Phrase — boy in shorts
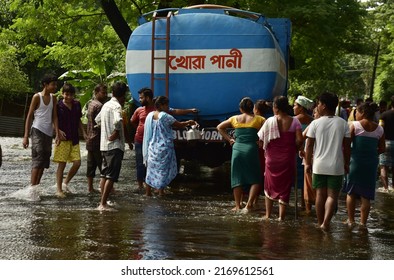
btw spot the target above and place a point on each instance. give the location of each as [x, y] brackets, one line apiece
[94, 159]
[69, 116]
[329, 143]
[43, 109]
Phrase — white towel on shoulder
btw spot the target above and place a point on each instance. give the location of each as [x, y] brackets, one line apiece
[269, 131]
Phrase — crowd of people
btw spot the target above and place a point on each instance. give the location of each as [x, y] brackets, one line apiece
[318, 147]
[106, 135]
[312, 148]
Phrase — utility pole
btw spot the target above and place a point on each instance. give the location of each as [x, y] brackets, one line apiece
[375, 65]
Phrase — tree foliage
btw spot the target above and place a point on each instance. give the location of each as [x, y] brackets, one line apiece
[382, 13]
[57, 36]
[12, 80]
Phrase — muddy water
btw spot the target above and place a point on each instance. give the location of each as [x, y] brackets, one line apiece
[192, 222]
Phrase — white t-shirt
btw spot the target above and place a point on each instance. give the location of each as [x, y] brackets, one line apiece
[329, 132]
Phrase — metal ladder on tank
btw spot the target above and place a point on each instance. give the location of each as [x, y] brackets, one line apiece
[154, 58]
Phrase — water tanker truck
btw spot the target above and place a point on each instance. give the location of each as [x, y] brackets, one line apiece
[208, 57]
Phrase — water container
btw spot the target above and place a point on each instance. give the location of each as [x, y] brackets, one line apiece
[215, 59]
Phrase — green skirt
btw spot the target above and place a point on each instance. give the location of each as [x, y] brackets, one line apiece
[245, 162]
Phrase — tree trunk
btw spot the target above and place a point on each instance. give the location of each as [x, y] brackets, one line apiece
[117, 20]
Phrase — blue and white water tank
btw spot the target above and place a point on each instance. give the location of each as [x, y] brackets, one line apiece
[216, 55]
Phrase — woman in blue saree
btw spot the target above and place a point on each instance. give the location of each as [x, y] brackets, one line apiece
[158, 146]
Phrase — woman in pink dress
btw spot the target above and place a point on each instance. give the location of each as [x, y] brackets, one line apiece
[282, 138]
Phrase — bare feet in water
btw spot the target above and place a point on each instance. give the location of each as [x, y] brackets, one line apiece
[325, 228]
[105, 208]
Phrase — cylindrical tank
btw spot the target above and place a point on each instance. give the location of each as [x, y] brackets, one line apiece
[214, 58]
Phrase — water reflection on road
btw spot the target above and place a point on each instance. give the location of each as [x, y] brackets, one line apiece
[193, 221]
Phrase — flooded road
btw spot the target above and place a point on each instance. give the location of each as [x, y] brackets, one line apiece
[193, 221]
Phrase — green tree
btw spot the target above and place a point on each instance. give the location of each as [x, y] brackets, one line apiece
[12, 80]
[324, 32]
[382, 13]
[57, 36]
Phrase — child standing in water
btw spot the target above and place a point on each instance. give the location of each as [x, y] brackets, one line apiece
[43, 109]
[69, 115]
